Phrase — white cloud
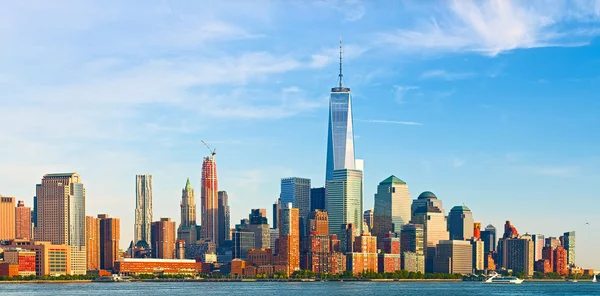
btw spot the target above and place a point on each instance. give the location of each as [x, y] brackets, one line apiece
[352, 10]
[445, 75]
[495, 26]
[401, 91]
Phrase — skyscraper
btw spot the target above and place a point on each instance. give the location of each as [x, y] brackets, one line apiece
[368, 218]
[340, 136]
[428, 211]
[143, 209]
[22, 221]
[460, 223]
[289, 238]
[345, 201]
[92, 243]
[517, 254]
[488, 236]
[224, 218]
[392, 207]
[258, 224]
[317, 199]
[297, 191]
[454, 256]
[209, 202]
[187, 230]
[110, 234]
[276, 211]
[163, 239]
[61, 215]
[538, 246]
[569, 239]
[319, 222]
[7, 218]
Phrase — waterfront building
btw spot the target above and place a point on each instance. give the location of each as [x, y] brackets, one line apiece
[22, 221]
[340, 133]
[560, 257]
[517, 254]
[453, 256]
[317, 199]
[60, 208]
[24, 259]
[50, 259]
[412, 262]
[260, 257]
[364, 256]
[289, 238]
[134, 266]
[7, 218]
[209, 200]
[428, 211]
[297, 191]
[389, 259]
[187, 230]
[392, 207]
[92, 240]
[143, 209]
[224, 218]
[109, 237]
[163, 239]
[344, 200]
[460, 223]
[569, 245]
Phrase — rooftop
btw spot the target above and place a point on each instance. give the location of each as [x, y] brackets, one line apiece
[60, 175]
[392, 180]
[462, 208]
[427, 195]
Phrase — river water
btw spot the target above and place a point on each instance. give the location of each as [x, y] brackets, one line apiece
[298, 288]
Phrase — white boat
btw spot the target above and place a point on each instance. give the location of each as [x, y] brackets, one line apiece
[496, 278]
[594, 279]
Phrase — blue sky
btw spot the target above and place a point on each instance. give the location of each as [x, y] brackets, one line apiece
[493, 104]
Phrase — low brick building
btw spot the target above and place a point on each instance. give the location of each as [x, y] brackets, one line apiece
[131, 266]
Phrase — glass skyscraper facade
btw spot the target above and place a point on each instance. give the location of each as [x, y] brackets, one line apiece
[340, 135]
[297, 191]
[344, 200]
[569, 245]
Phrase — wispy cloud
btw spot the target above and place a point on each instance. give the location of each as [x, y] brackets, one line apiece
[390, 121]
[445, 75]
[329, 55]
[458, 162]
[352, 10]
[401, 91]
[554, 171]
[495, 26]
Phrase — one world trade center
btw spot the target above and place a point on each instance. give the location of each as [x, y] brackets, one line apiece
[340, 135]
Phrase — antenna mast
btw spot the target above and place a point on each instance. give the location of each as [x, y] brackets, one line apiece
[341, 75]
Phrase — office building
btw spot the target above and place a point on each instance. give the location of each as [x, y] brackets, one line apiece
[257, 223]
[552, 242]
[368, 219]
[340, 134]
[274, 236]
[92, 240]
[389, 259]
[319, 222]
[209, 200]
[50, 259]
[317, 199]
[344, 200]
[134, 266]
[460, 223]
[163, 239]
[297, 191]
[61, 215]
[517, 254]
[364, 255]
[7, 218]
[477, 230]
[569, 245]
[289, 238]
[143, 209]
[110, 236]
[187, 230]
[478, 255]
[224, 218]
[243, 241]
[392, 207]
[538, 246]
[428, 211]
[560, 260]
[22, 221]
[24, 259]
[488, 236]
[454, 256]
[412, 239]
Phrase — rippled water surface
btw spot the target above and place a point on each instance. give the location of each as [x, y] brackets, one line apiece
[308, 288]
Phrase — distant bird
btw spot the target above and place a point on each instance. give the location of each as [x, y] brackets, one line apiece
[586, 223]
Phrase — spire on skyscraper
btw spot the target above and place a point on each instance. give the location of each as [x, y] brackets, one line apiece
[341, 75]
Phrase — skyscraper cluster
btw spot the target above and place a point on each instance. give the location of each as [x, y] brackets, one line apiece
[322, 229]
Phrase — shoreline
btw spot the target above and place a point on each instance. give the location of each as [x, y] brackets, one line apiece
[274, 280]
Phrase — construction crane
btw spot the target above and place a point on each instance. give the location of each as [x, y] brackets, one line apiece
[213, 151]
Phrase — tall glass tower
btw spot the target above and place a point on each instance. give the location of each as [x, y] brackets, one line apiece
[340, 135]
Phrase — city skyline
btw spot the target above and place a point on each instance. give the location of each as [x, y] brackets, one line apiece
[480, 123]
